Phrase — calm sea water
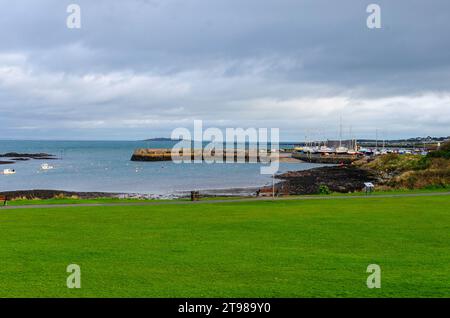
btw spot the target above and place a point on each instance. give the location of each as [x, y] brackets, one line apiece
[105, 166]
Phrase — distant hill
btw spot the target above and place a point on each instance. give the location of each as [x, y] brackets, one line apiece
[162, 139]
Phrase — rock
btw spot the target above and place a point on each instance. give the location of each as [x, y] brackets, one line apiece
[6, 162]
[21, 156]
[342, 179]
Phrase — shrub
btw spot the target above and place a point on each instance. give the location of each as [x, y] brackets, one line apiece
[397, 163]
[323, 189]
[443, 152]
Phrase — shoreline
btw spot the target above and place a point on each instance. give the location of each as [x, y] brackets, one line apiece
[45, 194]
[341, 179]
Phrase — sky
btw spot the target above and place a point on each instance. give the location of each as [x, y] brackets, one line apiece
[138, 69]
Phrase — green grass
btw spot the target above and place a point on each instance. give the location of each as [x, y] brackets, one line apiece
[309, 248]
[396, 191]
[58, 201]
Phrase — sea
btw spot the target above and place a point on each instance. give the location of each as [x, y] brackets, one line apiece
[105, 166]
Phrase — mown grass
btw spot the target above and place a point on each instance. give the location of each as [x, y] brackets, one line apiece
[396, 191]
[309, 248]
[59, 201]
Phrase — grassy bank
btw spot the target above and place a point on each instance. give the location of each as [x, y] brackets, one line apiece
[413, 171]
[317, 248]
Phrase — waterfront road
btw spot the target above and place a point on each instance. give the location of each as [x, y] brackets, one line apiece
[212, 201]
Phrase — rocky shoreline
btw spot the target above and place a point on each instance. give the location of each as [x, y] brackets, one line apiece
[50, 194]
[42, 194]
[343, 179]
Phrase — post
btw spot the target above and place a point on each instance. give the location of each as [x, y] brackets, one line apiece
[273, 186]
[195, 195]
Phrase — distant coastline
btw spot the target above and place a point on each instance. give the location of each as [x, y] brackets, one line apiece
[162, 139]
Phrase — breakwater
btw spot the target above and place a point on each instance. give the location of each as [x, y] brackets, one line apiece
[149, 154]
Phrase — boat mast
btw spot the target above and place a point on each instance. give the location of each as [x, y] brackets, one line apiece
[376, 139]
[351, 138]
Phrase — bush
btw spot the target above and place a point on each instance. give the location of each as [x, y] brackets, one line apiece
[439, 178]
[437, 187]
[423, 163]
[395, 163]
[443, 152]
[323, 189]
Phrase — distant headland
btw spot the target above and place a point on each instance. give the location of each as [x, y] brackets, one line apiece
[162, 139]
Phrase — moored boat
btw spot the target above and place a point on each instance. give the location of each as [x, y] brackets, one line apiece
[9, 171]
[46, 166]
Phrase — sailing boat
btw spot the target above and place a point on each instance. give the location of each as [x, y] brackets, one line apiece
[354, 148]
[325, 149]
[341, 149]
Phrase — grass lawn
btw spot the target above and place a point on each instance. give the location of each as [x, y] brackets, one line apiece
[20, 202]
[315, 248]
[106, 200]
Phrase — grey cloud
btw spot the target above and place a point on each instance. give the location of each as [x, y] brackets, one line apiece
[141, 66]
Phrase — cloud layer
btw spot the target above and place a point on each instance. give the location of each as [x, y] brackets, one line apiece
[138, 69]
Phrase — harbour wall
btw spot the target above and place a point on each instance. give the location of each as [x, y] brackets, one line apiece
[331, 159]
[148, 154]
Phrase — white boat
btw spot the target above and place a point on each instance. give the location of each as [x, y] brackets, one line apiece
[325, 149]
[341, 149]
[9, 171]
[46, 166]
[307, 149]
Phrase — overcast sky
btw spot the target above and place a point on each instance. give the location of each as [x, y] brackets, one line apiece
[139, 69]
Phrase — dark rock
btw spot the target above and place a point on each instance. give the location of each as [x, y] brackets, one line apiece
[6, 162]
[28, 155]
[343, 179]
